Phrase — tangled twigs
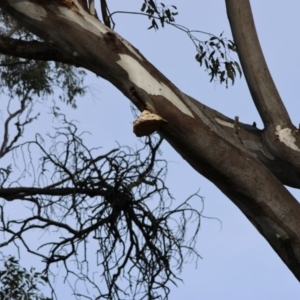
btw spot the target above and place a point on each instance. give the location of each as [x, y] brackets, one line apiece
[115, 205]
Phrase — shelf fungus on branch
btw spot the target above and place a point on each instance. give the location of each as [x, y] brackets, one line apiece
[147, 123]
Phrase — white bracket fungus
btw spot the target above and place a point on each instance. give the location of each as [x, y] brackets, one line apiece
[147, 123]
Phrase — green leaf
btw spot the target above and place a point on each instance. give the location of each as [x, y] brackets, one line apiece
[206, 63]
[238, 68]
[201, 57]
[154, 25]
[211, 55]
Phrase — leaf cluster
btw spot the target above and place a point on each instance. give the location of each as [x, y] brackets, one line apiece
[214, 53]
[34, 78]
[19, 77]
[165, 14]
[18, 283]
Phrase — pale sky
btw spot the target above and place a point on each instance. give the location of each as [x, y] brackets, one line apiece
[237, 262]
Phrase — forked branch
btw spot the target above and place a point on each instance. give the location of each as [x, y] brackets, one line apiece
[259, 79]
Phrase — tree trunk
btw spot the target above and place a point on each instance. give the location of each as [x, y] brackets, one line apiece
[248, 165]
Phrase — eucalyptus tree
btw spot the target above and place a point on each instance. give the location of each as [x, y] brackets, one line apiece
[249, 165]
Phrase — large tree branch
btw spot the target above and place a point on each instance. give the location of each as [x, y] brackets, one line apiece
[104, 11]
[280, 136]
[259, 79]
[253, 139]
[32, 50]
[27, 192]
[219, 155]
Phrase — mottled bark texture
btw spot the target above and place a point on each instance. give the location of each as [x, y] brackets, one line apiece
[250, 166]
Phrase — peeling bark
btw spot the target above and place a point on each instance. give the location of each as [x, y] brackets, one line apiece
[248, 165]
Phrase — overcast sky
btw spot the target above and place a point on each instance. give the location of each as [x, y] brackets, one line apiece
[237, 262]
